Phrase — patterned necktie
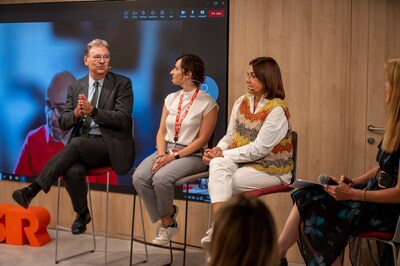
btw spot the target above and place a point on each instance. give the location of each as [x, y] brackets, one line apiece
[93, 102]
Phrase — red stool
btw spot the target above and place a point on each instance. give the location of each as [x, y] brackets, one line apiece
[90, 172]
[391, 239]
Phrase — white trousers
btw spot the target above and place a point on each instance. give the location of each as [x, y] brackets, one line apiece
[226, 179]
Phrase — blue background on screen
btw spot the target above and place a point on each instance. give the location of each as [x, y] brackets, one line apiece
[41, 40]
[35, 52]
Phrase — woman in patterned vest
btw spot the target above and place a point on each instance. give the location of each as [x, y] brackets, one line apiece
[257, 150]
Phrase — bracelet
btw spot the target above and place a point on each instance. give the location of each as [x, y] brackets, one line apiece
[365, 193]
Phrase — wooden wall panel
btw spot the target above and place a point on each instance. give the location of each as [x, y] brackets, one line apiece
[310, 41]
[358, 88]
[384, 42]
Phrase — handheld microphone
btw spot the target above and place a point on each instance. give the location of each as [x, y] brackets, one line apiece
[326, 180]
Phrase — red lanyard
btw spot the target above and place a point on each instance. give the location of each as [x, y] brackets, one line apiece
[179, 119]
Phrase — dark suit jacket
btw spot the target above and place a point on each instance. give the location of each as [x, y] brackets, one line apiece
[114, 117]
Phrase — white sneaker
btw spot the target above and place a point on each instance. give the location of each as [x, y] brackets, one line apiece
[208, 259]
[206, 241]
[165, 234]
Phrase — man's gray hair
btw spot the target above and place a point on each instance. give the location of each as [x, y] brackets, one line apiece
[96, 43]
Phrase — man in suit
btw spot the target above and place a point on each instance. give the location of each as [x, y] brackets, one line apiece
[98, 110]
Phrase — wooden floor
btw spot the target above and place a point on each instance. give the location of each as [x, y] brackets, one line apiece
[118, 253]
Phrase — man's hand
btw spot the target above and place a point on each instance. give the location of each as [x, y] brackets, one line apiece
[78, 109]
[85, 106]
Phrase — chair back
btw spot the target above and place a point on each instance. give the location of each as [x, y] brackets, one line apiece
[294, 142]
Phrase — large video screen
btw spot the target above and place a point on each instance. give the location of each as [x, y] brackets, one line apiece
[43, 45]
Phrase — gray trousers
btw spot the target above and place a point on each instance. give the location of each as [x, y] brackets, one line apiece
[157, 191]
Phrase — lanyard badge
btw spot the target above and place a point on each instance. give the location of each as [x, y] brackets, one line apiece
[179, 119]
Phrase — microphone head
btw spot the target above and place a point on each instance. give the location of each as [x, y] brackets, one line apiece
[323, 179]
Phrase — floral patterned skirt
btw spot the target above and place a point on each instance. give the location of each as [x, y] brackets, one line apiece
[326, 225]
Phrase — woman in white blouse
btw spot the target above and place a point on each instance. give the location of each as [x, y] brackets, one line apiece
[257, 150]
[187, 122]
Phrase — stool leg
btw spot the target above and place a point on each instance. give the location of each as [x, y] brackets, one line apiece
[394, 251]
[133, 227]
[58, 227]
[209, 225]
[91, 213]
[132, 233]
[144, 232]
[186, 218]
[209, 215]
[106, 233]
[359, 252]
[170, 254]
[57, 218]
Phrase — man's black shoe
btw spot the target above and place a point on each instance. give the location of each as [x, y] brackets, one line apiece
[79, 225]
[23, 196]
[283, 262]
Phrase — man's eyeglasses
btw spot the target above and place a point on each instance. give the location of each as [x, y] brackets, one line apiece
[99, 57]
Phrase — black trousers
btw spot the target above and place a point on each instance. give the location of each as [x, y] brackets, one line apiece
[71, 162]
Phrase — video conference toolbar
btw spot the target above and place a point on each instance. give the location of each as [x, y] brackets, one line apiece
[190, 13]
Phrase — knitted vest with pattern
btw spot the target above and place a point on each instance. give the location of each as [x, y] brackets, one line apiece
[280, 160]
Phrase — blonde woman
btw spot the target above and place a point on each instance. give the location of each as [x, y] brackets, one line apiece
[324, 219]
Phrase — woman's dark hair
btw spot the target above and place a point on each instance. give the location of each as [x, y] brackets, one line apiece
[267, 71]
[193, 63]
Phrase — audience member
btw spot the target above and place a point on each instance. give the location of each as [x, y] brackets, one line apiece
[324, 219]
[244, 234]
[257, 150]
[187, 122]
[99, 112]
